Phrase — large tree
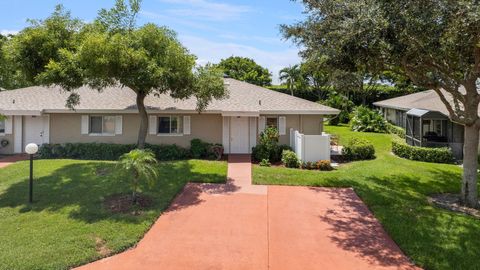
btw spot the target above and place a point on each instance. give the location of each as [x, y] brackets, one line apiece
[245, 69]
[113, 51]
[436, 43]
[10, 76]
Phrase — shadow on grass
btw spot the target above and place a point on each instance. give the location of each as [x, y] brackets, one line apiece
[78, 190]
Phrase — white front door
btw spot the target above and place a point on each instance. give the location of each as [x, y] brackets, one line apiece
[36, 130]
[239, 133]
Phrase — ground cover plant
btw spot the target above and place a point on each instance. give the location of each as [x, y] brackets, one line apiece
[396, 190]
[69, 224]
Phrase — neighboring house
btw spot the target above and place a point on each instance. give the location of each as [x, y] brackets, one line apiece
[425, 120]
[38, 115]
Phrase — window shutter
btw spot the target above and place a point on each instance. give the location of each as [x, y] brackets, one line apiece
[9, 125]
[152, 124]
[118, 125]
[261, 124]
[186, 125]
[282, 125]
[85, 127]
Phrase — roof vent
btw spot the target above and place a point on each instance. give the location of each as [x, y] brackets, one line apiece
[260, 102]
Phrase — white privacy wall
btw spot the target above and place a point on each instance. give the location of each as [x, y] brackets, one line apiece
[310, 147]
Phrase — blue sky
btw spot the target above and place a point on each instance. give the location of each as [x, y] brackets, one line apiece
[211, 29]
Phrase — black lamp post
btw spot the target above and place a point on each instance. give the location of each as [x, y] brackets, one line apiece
[31, 149]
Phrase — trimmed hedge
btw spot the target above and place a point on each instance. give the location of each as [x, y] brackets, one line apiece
[104, 151]
[358, 149]
[392, 129]
[426, 154]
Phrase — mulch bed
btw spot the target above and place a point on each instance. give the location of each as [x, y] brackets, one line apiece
[122, 203]
[452, 202]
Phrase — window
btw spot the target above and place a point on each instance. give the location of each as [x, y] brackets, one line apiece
[2, 126]
[170, 125]
[102, 125]
[272, 122]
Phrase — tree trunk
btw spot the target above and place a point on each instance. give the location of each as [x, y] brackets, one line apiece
[470, 166]
[142, 133]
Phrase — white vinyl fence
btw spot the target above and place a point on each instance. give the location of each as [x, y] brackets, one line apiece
[310, 147]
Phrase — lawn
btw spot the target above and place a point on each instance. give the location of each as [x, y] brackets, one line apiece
[67, 225]
[396, 192]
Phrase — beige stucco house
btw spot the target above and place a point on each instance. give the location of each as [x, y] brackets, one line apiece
[39, 115]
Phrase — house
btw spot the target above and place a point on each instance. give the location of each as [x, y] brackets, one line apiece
[38, 115]
[425, 120]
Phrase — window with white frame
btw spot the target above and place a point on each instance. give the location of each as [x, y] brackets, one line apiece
[102, 125]
[272, 121]
[2, 126]
[170, 124]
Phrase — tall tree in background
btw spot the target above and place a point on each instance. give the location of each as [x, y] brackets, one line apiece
[436, 43]
[113, 51]
[245, 69]
[10, 75]
[292, 76]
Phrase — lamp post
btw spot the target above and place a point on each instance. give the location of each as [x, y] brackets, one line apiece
[31, 149]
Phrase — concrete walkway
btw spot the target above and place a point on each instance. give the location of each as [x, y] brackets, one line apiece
[9, 160]
[241, 226]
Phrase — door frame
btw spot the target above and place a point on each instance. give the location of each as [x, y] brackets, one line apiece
[252, 127]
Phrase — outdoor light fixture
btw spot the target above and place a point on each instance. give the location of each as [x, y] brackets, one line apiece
[31, 149]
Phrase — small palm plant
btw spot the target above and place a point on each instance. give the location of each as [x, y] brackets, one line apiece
[142, 165]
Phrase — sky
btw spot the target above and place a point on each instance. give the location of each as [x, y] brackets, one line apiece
[210, 29]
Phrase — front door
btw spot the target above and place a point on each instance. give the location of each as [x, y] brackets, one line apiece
[36, 130]
[239, 143]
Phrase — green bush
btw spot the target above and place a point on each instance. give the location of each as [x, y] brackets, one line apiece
[324, 165]
[199, 148]
[392, 129]
[368, 120]
[103, 151]
[290, 159]
[268, 147]
[265, 163]
[342, 103]
[426, 154]
[358, 149]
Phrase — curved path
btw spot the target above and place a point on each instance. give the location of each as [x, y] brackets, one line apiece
[241, 226]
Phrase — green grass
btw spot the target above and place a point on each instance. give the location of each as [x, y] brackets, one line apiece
[60, 229]
[396, 192]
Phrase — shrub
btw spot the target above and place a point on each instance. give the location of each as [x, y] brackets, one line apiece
[324, 165]
[290, 159]
[268, 147]
[358, 149]
[392, 129]
[342, 103]
[308, 165]
[199, 148]
[368, 120]
[103, 151]
[265, 163]
[426, 154]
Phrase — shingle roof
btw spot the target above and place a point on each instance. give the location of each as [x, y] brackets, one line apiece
[426, 100]
[243, 97]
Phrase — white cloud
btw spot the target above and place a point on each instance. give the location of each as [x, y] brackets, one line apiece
[206, 10]
[210, 51]
[5, 32]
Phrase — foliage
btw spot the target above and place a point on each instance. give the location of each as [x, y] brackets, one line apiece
[309, 165]
[245, 69]
[10, 75]
[103, 151]
[426, 154]
[341, 102]
[69, 194]
[268, 147]
[265, 163]
[290, 159]
[367, 120]
[142, 166]
[399, 131]
[396, 190]
[324, 165]
[292, 76]
[358, 149]
[203, 150]
[433, 43]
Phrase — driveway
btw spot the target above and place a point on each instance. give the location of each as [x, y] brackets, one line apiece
[240, 226]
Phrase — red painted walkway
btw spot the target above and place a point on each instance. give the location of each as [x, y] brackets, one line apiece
[240, 226]
[9, 160]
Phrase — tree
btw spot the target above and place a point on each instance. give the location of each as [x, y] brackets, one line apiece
[10, 76]
[435, 43]
[113, 51]
[292, 76]
[245, 69]
[142, 165]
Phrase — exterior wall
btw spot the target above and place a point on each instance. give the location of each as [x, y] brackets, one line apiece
[66, 128]
[390, 115]
[9, 149]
